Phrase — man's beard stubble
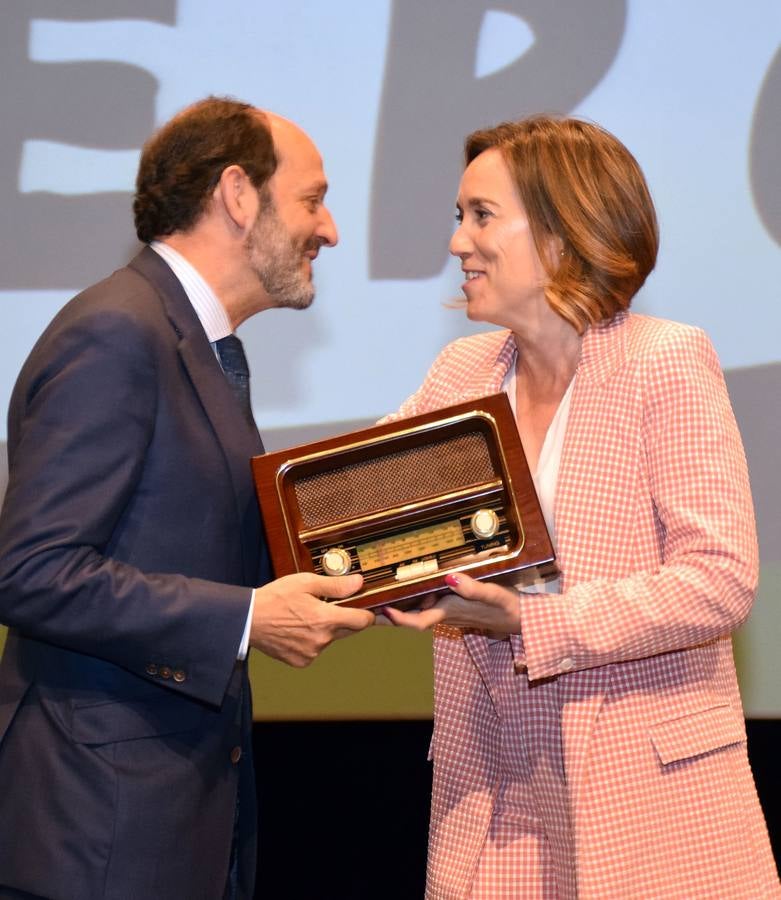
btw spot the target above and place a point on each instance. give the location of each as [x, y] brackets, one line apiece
[277, 260]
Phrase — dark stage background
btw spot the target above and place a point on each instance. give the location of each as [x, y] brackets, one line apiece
[344, 806]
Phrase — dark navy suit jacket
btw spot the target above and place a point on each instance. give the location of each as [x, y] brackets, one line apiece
[128, 539]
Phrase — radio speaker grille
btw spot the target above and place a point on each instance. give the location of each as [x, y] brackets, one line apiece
[405, 476]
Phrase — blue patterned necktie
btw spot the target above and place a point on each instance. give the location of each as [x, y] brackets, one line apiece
[234, 364]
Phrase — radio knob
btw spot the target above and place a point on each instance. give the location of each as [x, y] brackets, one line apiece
[484, 523]
[336, 561]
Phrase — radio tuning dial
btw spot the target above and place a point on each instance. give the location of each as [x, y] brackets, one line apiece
[484, 523]
[336, 561]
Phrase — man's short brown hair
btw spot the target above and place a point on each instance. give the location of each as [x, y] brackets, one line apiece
[181, 163]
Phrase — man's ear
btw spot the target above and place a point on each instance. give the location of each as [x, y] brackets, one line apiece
[237, 196]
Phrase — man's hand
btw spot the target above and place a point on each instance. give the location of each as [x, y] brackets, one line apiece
[292, 624]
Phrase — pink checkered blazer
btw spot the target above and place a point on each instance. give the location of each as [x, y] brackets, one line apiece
[658, 557]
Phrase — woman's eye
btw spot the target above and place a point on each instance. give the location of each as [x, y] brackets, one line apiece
[479, 214]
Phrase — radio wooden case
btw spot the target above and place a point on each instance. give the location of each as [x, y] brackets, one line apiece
[406, 503]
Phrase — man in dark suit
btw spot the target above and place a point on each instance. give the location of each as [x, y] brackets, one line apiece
[130, 541]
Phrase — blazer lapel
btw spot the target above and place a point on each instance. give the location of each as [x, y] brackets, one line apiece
[236, 439]
[583, 692]
[481, 384]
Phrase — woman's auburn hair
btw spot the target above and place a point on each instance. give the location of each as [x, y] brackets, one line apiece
[590, 211]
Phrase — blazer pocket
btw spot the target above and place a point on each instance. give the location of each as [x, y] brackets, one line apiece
[697, 733]
[118, 720]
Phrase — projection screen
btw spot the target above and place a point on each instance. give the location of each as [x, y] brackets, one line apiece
[388, 90]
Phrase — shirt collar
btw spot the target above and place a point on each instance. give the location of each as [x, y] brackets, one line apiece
[211, 313]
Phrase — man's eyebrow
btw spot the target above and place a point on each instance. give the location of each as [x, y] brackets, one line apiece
[318, 187]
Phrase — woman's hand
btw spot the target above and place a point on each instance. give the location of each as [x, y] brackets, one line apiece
[473, 604]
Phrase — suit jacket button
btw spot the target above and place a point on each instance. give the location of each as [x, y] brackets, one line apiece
[165, 672]
[151, 669]
[180, 675]
[235, 755]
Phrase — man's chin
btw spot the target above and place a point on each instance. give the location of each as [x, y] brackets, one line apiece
[295, 301]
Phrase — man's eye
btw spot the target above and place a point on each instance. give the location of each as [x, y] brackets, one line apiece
[459, 216]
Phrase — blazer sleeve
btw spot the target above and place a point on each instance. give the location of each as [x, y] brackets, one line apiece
[81, 425]
[698, 482]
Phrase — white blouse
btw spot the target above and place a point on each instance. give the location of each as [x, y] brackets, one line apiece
[547, 474]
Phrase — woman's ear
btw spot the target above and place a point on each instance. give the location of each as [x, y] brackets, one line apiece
[554, 250]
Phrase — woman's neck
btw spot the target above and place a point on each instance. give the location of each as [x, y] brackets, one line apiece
[548, 356]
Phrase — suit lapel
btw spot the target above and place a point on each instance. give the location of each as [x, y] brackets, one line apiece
[236, 439]
[485, 381]
[581, 461]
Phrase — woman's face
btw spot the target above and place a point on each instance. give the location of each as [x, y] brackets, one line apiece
[504, 273]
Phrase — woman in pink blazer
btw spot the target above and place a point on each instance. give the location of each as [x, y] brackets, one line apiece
[589, 738]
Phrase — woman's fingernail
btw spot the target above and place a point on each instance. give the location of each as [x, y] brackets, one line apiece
[452, 580]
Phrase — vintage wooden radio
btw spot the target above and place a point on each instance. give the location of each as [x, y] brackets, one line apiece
[407, 502]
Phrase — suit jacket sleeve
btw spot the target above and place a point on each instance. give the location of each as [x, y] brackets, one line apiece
[81, 432]
[693, 472]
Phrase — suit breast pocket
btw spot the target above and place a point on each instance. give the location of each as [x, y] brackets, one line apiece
[697, 733]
